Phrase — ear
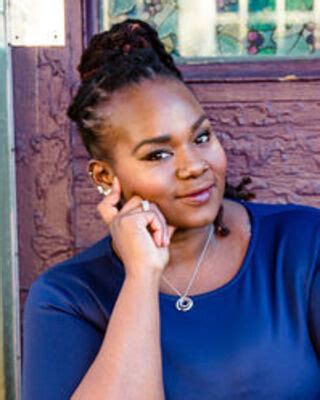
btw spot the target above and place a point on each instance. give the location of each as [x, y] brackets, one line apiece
[101, 172]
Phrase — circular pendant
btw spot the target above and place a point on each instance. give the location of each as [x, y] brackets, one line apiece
[184, 303]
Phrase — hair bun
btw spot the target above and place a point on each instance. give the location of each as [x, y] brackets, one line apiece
[109, 47]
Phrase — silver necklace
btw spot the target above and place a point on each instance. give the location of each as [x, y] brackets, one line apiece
[185, 303]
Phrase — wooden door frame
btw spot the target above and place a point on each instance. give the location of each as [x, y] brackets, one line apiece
[9, 287]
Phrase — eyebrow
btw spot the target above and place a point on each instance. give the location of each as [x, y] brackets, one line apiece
[166, 138]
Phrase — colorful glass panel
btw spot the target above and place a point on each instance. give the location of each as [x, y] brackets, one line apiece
[261, 39]
[161, 14]
[194, 30]
[228, 5]
[300, 39]
[228, 40]
[261, 5]
[299, 5]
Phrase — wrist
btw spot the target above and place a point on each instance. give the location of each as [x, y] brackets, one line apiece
[145, 278]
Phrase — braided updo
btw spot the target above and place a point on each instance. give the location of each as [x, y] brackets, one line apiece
[129, 52]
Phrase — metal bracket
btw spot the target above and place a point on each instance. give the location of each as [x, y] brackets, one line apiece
[36, 22]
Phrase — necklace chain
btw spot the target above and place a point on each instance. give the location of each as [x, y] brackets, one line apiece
[185, 303]
[197, 267]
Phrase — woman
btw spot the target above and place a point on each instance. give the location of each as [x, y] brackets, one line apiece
[192, 295]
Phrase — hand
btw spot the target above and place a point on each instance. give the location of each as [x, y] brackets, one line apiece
[140, 238]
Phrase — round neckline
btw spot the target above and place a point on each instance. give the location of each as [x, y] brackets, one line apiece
[244, 266]
[241, 270]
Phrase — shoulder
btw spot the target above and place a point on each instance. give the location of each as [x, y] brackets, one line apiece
[282, 220]
[285, 215]
[290, 232]
[89, 279]
[269, 209]
[83, 266]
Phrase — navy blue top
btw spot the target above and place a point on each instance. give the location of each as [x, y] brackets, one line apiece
[255, 337]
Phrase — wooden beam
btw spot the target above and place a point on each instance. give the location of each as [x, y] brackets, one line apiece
[9, 304]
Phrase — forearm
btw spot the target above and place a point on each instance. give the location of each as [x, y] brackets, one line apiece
[128, 365]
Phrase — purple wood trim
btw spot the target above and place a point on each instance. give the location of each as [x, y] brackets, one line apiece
[91, 19]
[43, 81]
[252, 71]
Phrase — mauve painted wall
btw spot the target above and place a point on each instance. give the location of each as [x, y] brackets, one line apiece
[269, 128]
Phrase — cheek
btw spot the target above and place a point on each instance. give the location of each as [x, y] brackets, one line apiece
[218, 159]
[147, 184]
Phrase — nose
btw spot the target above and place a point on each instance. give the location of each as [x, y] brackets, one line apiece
[191, 167]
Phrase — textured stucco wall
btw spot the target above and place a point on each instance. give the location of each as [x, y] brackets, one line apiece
[271, 132]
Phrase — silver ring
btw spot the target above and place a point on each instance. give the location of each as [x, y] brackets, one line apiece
[145, 205]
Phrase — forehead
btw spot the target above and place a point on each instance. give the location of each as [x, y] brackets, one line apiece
[151, 108]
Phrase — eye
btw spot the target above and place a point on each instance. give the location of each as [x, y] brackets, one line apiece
[203, 137]
[157, 155]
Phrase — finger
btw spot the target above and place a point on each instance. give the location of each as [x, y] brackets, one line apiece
[134, 203]
[116, 187]
[107, 207]
[171, 230]
[107, 210]
[165, 234]
[151, 222]
[154, 207]
[155, 226]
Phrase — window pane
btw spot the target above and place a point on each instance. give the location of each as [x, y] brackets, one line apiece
[204, 30]
[300, 5]
[228, 5]
[261, 39]
[261, 5]
[160, 14]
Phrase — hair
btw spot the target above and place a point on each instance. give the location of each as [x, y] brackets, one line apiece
[126, 54]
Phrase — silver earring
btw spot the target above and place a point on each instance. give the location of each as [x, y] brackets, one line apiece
[104, 191]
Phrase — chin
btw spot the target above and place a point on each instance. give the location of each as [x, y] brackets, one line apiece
[193, 220]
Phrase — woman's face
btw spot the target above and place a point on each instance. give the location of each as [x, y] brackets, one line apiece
[165, 149]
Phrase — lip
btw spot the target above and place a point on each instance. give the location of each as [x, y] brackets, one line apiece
[196, 192]
[199, 197]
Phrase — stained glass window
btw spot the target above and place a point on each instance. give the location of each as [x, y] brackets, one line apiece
[194, 30]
